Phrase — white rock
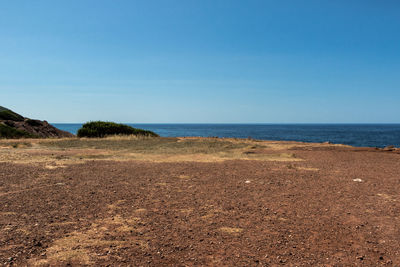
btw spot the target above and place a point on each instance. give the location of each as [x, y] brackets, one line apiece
[357, 180]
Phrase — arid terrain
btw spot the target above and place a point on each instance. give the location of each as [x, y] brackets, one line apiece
[197, 202]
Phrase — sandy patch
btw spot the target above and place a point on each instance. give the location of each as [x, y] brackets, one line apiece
[231, 230]
[307, 169]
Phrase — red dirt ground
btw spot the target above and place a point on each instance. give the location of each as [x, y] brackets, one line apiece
[232, 213]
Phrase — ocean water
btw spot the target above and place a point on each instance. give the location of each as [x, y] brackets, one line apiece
[361, 135]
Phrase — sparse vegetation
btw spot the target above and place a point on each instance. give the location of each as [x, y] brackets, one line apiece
[163, 149]
[33, 123]
[6, 114]
[103, 129]
[10, 132]
[13, 125]
[146, 145]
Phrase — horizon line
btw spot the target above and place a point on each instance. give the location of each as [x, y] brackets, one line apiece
[249, 123]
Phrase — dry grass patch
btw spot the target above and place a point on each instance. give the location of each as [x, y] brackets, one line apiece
[115, 206]
[231, 230]
[386, 197]
[278, 157]
[81, 247]
[55, 166]
[213, 212]
[141, 210]
[63, 152]
[186, 211]
[62, 223]
[307, 169]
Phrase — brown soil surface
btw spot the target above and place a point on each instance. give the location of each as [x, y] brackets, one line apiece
[279, 203]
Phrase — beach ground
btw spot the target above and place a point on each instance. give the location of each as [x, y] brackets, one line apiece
[197, 202]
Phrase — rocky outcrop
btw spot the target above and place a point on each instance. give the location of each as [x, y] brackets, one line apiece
[34, 128]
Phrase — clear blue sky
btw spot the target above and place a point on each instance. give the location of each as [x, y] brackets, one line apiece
[201, 60]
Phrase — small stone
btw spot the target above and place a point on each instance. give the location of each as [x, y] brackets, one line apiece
[357, 180]
[247, 182]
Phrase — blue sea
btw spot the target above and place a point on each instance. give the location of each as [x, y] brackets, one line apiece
[361, 135]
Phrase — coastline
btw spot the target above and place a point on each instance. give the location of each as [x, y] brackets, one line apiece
[360, 135]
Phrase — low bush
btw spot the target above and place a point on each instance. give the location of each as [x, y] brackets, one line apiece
[6, 114]
[102, 129]
[33, 123]
[9, 132]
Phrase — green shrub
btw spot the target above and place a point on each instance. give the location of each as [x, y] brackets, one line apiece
[102, 129]
[6, 114]
[9, 132]
[33, 123]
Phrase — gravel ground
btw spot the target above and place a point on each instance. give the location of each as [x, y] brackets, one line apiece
[334, 206]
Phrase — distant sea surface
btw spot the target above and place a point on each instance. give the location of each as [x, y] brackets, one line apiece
[362, 135]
